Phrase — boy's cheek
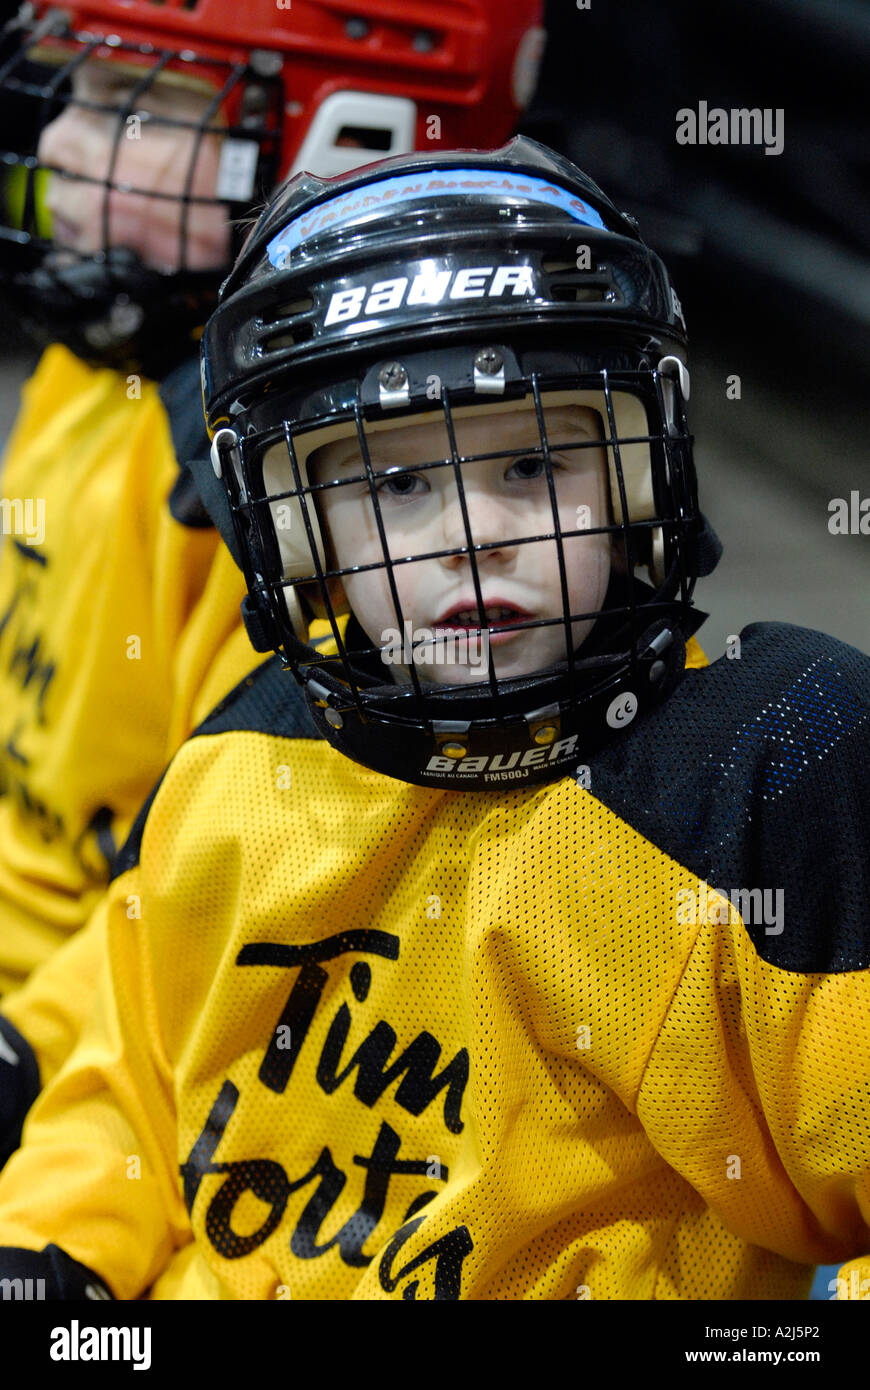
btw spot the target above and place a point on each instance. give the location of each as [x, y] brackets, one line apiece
[152, 228]
[77, 147]
[160, 159]
[152, 161]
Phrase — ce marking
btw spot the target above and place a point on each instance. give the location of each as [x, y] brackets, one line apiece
[622, 710]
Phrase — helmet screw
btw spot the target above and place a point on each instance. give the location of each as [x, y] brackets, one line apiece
[266, 62]
[356, 28]
[393, 376]
[656, 671]
[333, 717]
[545, 734]
[489, 361]
[454, 750]
[423, 41]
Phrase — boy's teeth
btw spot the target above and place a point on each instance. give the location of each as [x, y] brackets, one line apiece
[468, 618]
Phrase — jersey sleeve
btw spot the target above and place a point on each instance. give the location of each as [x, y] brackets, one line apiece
[95, 1177]
[757, 1090]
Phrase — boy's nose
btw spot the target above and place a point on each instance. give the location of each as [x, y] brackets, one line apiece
[55, 142]
[487, 522]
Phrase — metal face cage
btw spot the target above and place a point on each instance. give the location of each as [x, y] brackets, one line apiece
[281, 509]
[106, 293]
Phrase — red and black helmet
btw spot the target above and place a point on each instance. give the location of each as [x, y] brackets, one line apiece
[431, 288]
[316, 85]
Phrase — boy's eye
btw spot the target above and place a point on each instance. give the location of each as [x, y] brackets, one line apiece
[402, 485]
[528, 467]
[102, 89]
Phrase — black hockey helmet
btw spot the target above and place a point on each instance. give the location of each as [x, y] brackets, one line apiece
[433, 288]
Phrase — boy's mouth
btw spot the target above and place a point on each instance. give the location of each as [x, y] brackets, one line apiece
[498, 613]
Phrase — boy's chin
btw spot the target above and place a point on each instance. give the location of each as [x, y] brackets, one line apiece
[462, 673]
[507, 661]
[441, 675]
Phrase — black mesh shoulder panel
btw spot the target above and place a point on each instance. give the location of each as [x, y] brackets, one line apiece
[198, 498]
[181, 397]
[754, 775]
[268, 701]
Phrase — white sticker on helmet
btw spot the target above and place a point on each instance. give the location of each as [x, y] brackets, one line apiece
[387, 194]
[237, 170]
[527, 65]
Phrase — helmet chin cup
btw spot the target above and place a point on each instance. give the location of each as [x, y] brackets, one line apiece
[543, 739]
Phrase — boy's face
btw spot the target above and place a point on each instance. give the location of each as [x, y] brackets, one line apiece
[151, 157]
[506, 498]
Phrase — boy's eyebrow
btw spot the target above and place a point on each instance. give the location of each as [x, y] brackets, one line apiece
[560, 430]
[557, 438]
[559, 435]
[343, 460]
[105, 79]
[110, 90]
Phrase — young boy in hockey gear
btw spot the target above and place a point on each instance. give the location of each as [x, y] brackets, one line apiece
[459, 1014]
[147, 132]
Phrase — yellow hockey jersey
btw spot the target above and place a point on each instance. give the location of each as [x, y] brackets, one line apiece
[119, 629]
[358, 1039]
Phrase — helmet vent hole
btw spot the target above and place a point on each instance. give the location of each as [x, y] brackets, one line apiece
[280, 333]
[289, 338]
[365, 137]
[290, 310]
[580, 293]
